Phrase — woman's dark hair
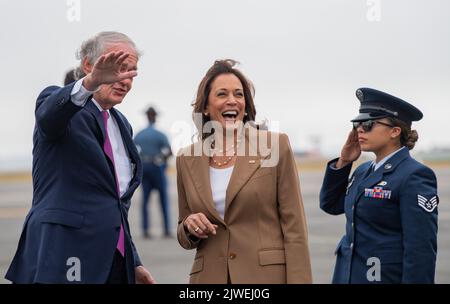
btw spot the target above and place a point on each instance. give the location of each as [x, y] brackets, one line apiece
[408, 137]
[226, 66]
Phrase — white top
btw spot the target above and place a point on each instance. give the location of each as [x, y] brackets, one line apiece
[122, 163]
[220, 178]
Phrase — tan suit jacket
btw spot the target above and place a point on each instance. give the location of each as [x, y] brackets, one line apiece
[263, 237]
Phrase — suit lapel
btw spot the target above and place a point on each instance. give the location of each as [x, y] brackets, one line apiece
[369, 181]
[126, 137]
[199, 171]
[124, 132]
[131, 149]
[127, 140]
[90, 106]
[244, 167]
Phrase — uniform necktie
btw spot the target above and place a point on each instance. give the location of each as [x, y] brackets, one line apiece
[370, 170]
[109, 152]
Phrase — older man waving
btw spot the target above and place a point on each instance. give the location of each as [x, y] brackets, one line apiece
[85, 171]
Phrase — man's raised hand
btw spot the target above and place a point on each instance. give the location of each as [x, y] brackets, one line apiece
[108, 68]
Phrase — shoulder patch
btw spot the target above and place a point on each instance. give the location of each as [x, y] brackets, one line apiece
[427, 205]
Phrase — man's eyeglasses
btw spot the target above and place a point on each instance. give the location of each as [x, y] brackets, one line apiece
[368, 124]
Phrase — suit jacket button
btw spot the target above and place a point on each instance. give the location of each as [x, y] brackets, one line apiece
[61, 101]
[232, 256]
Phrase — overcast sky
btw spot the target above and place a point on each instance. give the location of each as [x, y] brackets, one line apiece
[306, 59]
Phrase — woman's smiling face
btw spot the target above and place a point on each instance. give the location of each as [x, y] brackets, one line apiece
[226, 101]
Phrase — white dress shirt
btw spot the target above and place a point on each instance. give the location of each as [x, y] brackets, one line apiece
[220, 178]
[122, 163]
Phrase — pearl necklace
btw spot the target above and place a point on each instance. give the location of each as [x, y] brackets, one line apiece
[224, 162]
[229, 158]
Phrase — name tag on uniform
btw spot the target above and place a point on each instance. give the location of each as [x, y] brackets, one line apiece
[377, 192]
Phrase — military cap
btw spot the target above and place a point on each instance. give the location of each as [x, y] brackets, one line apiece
[376, 105]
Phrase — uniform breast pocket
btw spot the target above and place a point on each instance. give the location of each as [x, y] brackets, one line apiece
[377, 204]
[378, 210]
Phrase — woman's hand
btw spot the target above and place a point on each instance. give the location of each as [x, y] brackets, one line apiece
[198, 225]
[351, 150]
[143, 276]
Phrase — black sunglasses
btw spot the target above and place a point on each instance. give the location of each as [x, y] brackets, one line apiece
[367, 125]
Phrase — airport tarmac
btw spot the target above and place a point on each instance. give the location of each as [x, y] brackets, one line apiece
[169, 263]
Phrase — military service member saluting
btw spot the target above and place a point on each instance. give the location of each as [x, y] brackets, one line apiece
[390, 203]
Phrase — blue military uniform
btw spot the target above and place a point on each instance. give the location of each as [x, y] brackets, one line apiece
[154, 148]
[391, 212]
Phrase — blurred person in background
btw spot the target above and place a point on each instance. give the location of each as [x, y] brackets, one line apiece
[154, 149]
[70, 77]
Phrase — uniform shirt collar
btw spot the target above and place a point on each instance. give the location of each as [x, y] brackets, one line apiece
[381, 162]
[99, 107]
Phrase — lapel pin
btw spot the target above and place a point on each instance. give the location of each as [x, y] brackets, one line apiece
[383, 183]
[388, 166]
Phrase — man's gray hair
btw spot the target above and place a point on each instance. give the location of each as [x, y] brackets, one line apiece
[94, 47]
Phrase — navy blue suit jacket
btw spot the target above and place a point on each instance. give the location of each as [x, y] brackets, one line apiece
[76, 211]
[390, 225]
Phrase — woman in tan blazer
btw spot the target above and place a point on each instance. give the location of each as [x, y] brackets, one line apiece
[239, 197]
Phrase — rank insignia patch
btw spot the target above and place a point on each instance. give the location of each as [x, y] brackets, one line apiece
[427, 205]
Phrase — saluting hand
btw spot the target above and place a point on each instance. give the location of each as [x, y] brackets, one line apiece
[108, 68]
[351, 150]
[198, 225]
